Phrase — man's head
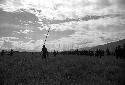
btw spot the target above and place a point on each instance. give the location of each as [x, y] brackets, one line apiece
[43, 46]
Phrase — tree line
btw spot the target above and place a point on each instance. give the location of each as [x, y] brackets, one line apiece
[119, 52]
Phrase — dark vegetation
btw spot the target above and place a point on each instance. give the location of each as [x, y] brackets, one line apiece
[85, 67]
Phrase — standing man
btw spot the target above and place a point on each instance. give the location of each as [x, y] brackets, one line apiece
[11, 52]
[54, 53]
[44, 52]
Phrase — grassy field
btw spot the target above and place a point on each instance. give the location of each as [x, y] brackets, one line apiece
[28, 69]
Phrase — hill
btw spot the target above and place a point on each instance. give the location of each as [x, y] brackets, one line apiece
[111, 45]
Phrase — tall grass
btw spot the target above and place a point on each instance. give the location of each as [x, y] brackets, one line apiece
[28, 69]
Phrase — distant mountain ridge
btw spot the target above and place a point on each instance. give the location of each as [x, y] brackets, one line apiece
[111, 45]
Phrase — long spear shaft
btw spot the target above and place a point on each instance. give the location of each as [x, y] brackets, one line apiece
[46, 36]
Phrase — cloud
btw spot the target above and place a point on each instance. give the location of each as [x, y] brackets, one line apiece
[73, 23]
[26, 31]
[100, 3]
[28, 38]
[7, 45]
[62, 9]
[7, 29]
[6, 42]
[119, 3]
[1, 43]
[18, 19]
[2, 1]
[8, 38]
[30, 45]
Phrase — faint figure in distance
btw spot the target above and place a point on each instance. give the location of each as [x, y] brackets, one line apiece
[54, 53]
[11, 52]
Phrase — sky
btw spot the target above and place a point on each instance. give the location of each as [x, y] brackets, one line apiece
[73, 23]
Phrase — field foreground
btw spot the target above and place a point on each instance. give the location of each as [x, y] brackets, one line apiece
[31, 69]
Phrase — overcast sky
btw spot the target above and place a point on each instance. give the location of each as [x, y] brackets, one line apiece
[73, 23]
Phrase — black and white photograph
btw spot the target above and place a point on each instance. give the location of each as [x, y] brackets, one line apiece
[62, 42]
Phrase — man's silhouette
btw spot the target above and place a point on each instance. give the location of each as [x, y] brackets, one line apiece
[54, 53]
[11, 52]
[44, 52]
